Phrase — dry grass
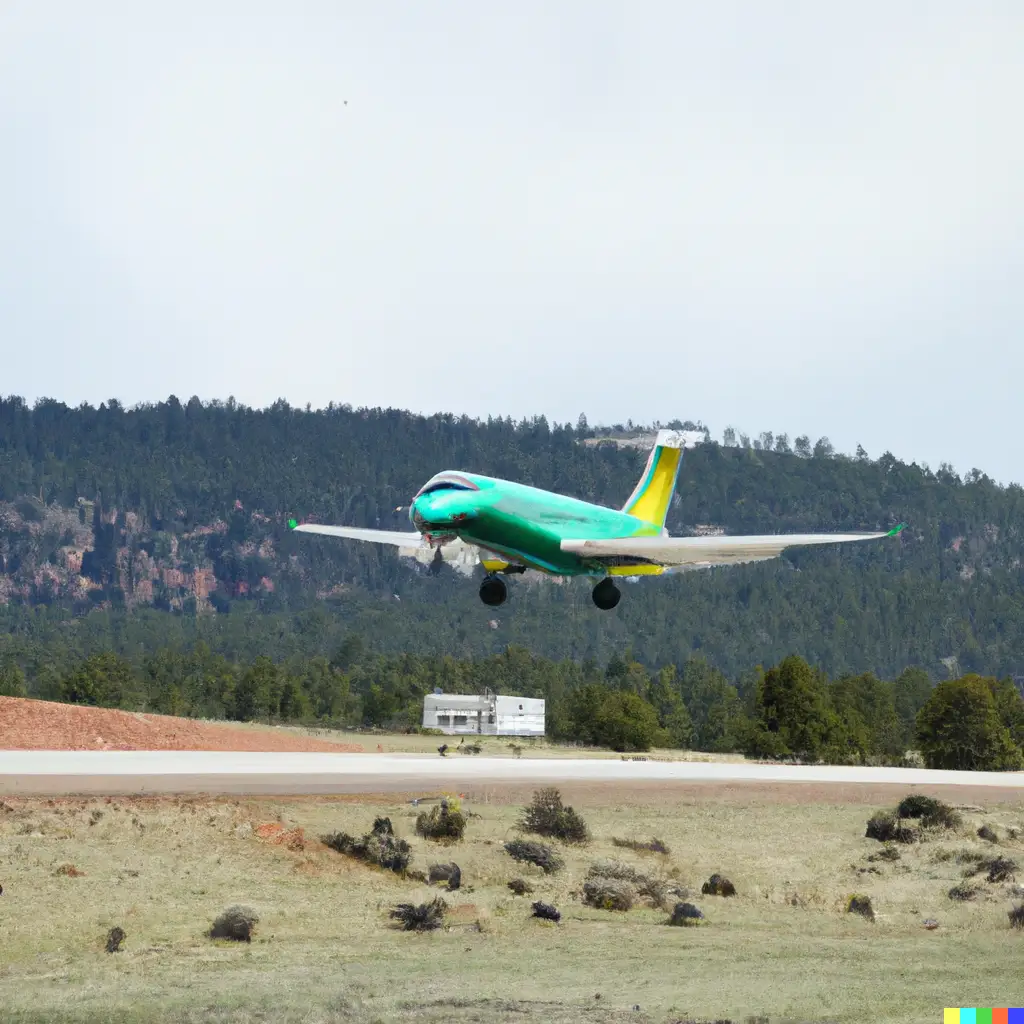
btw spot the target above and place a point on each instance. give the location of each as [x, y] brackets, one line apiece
[326, 951]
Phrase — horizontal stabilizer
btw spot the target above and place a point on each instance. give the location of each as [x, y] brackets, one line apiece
[701, 551]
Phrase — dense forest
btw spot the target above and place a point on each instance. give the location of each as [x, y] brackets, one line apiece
[164, 526]
[790, 710]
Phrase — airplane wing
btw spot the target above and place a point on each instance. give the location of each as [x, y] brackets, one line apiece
[705, 551]
[401, 540]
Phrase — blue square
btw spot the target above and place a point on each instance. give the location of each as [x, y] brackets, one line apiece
[1014, 1016]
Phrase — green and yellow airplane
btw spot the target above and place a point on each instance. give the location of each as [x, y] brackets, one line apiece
[513, 528]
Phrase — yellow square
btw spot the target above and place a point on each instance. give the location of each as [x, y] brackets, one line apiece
[951, 1016]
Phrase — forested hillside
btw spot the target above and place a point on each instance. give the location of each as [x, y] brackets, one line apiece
[132, 530]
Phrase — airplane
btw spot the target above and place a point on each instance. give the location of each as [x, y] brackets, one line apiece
[514, 528]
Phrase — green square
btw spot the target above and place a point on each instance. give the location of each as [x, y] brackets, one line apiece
[983, 1016]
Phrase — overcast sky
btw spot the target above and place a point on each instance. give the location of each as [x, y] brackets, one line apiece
[790, 216]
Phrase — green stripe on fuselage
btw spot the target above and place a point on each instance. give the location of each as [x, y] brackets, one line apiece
[526, 524]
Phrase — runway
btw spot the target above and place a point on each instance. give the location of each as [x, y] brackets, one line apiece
[110, 773]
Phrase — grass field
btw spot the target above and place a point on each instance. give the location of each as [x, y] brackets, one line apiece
[324, 949]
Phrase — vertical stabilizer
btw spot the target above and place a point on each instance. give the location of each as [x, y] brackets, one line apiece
[650, 499]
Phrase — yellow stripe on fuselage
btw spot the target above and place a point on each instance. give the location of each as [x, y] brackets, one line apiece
[644, 569]
[651, 505]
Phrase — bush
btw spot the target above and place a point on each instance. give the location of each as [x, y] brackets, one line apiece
[450, 873]
[717, 885]
[886, 827]
[443, 823]
[988, 834]
[859, 904]
[932, 813]
[381, 847]
[235, 923]
[653, 846]
[422, 918]
[546, 816]
[966, 856]
[534, 853]
[654, 890]
[964, 892]
[546, 912]
[1017, 916]
[917, 805]
[520, 887]
[471, 748]
[114, 939]
[889, 853]
[609, 893]
[685, 915]
[1000, 869]
[69, 871]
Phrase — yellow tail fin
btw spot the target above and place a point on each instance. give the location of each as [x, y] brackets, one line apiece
[650, 499]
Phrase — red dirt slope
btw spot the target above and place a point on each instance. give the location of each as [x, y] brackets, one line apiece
[44, 725]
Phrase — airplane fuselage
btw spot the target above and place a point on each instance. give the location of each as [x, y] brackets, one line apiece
[519, 525]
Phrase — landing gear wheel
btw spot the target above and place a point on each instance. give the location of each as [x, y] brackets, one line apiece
[493, 591]
[606, 595]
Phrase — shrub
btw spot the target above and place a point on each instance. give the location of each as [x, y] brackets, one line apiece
[380, 847]
[988, 834]
[966, 856]
[964, 891]
[917, 805]
[450, 873]
[1000, 869]
[609, 893]
[653, 846]
[114, 939]
[889, 853]
[1017, 916]
[534, 853]
[717, 885]
[422, 918]
[654, 890]
[546, 816]
[520, 887]
[235, 923]
[613, 869]
[932, 813]
[886, 827]
[471, 748]
[546, 912]
[443, 823]
[685, 915]
[69, 871]
[859, 904]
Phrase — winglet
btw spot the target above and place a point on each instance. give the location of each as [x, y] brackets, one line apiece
[895, 530]
[292, 523]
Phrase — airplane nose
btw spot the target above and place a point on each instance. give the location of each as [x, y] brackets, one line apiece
[441, 510]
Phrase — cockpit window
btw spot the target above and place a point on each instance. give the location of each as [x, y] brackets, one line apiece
[445, 484]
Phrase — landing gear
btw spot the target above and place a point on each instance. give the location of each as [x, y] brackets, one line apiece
[606, 595]
[493, 591]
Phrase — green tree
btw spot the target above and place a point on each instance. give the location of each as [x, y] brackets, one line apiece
[12, 681]
[103, 680]
[911, 689]
[959, 728]
[257, 695]
[867, 707]
[673, 717]
[793, 704]
[625, 721]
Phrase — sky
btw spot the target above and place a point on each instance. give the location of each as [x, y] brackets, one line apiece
[794, 216]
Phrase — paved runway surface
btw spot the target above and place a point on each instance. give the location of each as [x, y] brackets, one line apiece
[55, 773]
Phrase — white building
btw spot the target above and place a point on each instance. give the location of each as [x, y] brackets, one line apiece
[487, 715]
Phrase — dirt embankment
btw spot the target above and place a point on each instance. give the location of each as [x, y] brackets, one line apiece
[44, 725]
